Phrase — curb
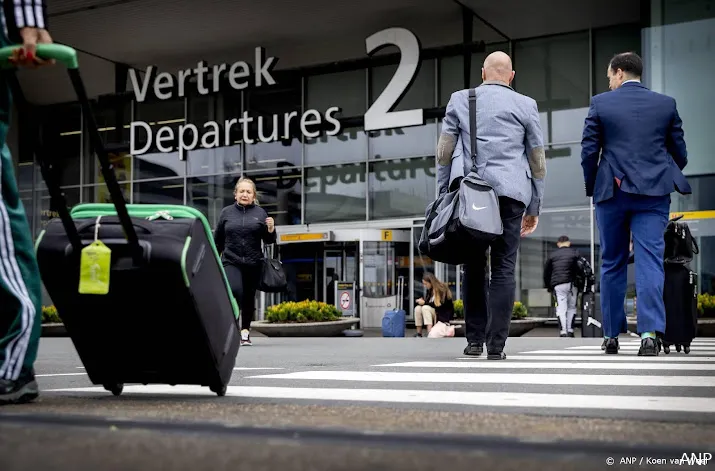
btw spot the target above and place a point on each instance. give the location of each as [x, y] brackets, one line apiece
[54, 330]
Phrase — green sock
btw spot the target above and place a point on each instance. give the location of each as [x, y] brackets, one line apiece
[648, 335]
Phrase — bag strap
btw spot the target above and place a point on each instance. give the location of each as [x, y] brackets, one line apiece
[473, 127]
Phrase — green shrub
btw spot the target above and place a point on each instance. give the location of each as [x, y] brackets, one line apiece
[519, 311]
[459, 309]
[50, 316]
[303, 311]
[706, 305]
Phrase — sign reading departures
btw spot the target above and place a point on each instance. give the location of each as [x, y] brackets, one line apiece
[276, 127]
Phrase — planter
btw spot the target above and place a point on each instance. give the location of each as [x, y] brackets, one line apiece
[304, 329]
[54, 330]
[706, 327]
[517, 327]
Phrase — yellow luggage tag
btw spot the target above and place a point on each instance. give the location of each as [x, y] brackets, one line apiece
[94, 266]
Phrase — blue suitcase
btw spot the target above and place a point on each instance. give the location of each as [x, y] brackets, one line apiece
[393, 322]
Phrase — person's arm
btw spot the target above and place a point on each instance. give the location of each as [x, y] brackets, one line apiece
[537, 159]
[220, 233]
[26, 23]
[591, 148]
[450, 132]
[269, 234]
[675, 141]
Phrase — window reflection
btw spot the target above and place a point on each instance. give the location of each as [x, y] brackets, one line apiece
[345, 90]
[401, 188]
[100, 193]
[335, 193]
[168, 191]
[564, 177]
[415, 141]
[348, 146]
[216, 160]
[47, 208]
[62, 141]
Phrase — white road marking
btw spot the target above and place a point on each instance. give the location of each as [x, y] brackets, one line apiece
[61, 374]
[500, 378]
[700, 405]
[634, 353]
[580, 356]
[245, 368]
[635, 348]
[570, 364]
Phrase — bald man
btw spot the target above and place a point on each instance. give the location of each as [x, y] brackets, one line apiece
[510, 157]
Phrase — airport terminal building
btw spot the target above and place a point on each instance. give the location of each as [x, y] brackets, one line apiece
[334, 110]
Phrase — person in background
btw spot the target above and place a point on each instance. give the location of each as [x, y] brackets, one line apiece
[633, 153]
[20, 283]
[438, 306]
[558, 279]
[241, 228]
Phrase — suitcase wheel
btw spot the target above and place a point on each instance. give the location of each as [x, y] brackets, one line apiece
[219, 390]
[666, 349]
[686, 349]
[115, 389]
[677, 348]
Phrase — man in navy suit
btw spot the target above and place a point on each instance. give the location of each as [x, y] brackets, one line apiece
[639, 137]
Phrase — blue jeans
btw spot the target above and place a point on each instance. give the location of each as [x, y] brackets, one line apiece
[645, 218]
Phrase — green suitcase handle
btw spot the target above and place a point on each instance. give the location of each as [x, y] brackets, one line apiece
[58, 52]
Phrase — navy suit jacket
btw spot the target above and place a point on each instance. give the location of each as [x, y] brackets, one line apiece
[639, 136]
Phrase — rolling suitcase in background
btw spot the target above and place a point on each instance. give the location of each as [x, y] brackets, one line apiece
[680, 295]
[393, 322]
[591, 318]
[158, 308]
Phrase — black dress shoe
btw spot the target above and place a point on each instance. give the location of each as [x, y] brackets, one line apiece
[19, 391]
[649, 347]
[496, 356]
[611, 346]
[474, 349]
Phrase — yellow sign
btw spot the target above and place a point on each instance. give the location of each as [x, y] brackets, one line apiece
[305, 237]
[387, 235]
[690, 215]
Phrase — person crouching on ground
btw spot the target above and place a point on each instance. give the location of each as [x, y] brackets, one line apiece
[439, 306]
[241, 228]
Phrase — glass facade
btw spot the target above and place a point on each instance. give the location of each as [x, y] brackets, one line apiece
[390, 175]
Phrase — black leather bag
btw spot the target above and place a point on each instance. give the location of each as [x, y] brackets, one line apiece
[273, 277]
[680, 245]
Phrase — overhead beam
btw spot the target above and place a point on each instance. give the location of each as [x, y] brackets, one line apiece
[480, 18]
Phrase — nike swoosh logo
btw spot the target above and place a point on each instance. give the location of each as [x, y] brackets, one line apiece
[474, 207]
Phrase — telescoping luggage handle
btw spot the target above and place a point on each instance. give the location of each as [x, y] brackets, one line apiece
[68, 57]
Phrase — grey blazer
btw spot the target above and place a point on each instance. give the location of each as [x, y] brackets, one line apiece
[510, 145]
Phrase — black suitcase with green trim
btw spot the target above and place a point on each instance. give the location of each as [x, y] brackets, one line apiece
[167, 315]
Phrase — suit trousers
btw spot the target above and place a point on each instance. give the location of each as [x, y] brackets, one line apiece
[645, 217]
[488, 304]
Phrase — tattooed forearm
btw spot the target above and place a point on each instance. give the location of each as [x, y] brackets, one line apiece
[445, 148]
[537, 162]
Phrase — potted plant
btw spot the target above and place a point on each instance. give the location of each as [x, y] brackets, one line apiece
[706, 305]
[303, 319]
[52, 325]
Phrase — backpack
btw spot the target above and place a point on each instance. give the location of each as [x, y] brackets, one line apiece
[680, 245]
[584, 278]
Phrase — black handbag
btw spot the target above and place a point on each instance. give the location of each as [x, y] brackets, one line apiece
[273, 277]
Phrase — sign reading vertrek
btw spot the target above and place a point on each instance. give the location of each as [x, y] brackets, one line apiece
[378, 116]
[238, 74]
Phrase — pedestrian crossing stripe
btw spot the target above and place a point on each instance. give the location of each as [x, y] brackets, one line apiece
[528, 401]
[627, 353]
[570, 364]
[560, 355]
[710, 350]
[550, 379]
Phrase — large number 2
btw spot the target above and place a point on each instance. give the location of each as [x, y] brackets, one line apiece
[379, 116]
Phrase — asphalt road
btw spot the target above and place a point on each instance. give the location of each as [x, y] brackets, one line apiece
[377, 403]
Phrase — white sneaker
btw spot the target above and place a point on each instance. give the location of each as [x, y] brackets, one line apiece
[245, 337]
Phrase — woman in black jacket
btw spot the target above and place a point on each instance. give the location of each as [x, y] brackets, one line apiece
[241, 228]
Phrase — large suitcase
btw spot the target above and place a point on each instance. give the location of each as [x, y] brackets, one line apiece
[680, 295]
[168, 316]
[393, 322]
[591, 318]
